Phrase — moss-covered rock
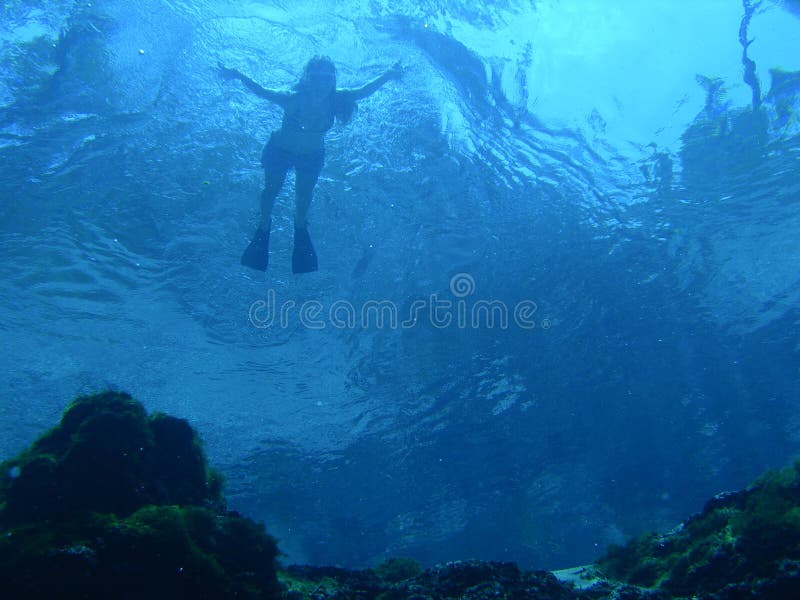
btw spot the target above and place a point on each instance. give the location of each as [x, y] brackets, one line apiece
[113, 503]
[395, 570]
[742, 544]
[156, 552]
[460, 580]
[116, 503]
[106, 455]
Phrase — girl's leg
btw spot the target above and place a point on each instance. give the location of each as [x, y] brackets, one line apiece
[276, 163]
[307, 168]
[273, 182]
[307, 172]
[256, 255]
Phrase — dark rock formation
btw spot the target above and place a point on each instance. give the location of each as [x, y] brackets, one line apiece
[743, 545]
[464, 580]
[113, 503]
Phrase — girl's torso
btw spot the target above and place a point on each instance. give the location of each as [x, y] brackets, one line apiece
[306, 120]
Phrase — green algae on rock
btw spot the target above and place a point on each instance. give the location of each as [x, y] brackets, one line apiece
[115, 503]
[743, 544]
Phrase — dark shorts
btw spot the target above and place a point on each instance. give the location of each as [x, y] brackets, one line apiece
[276, 160]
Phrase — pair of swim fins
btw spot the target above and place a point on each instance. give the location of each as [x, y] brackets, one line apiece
[304, 258]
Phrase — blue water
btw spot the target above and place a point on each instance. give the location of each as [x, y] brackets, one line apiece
[599, 165]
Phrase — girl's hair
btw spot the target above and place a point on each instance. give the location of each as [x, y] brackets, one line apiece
[342, 107]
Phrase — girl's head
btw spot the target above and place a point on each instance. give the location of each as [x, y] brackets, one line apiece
[319, 77]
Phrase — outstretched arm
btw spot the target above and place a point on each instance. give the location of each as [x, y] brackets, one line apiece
[396, 72]
[277, 97]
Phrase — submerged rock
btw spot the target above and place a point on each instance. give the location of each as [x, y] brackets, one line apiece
[743, 545]
[463, 580]
[113, 503]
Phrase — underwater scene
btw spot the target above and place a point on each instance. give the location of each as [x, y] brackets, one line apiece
[370, 299]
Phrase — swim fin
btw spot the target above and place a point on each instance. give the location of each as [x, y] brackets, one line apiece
[304, 259]
[256, 255]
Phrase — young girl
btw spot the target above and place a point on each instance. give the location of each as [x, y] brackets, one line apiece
[309, 111]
